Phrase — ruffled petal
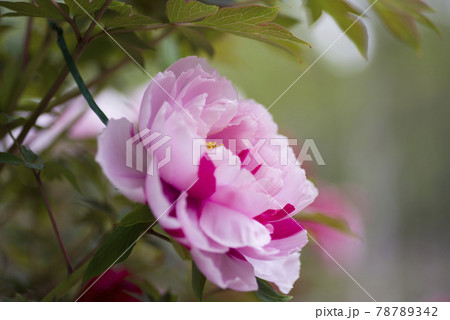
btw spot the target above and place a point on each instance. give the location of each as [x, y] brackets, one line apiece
[225, 270]
[283, 272]
[232, 228]
[111, 155]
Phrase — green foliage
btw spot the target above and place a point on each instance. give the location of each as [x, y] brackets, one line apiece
[400, 17]
[76, 75]
[42, 8]
[197, 40]
[8, 158]
[116, 248]
[268, 294]
[141, 214]
[345, 16]
[254, 22]
[32, 160]
[63, 287]
[181, 250]
[198, 282]
[121, 15]
[119, 244]
[76, 7]
[326, 220]
[55, 170]
[181, 11]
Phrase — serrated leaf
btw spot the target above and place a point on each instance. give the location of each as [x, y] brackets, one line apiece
[400, 17]
[8, 158]
[121, 15]
[286, 21]
[326, 220]
[198, 282]
[32, 160]
[197, 40]
[182, 11]
[76, 7]
[268, 294]
[253, 22]
[42, 8]
[241, 17]
[114, 249]
[141, 214]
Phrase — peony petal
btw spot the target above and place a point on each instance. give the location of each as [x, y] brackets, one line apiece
[283, 272]
[188, 217]
[225, 270]
[231, 228]
[111, 155]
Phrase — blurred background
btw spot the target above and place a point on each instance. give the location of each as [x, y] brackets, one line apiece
[381, 126]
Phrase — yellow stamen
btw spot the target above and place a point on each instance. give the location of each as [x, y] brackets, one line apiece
[212, 145]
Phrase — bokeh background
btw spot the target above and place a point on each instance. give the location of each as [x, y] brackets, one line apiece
[381, 125]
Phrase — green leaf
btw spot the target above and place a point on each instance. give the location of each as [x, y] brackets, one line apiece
[197, 40]
[76, 7]
[241, 18]
[56, 171]
[345, 16]
[32, 160]
[141, 214]
[76, 74]
[10, 122]
[314, 10]
[116, 248]
[61, 289]
[121, 15]
[133, 45]
[181, 250]
[267, 293]
[400, 17]
[286, 21]
[253, 22]
[181, 11]
[198, 282]
[9, 158]
[42, 8]
[332, 222]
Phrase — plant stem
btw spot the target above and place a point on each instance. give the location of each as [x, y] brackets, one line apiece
[159, 235]
[115, 31]
[68, 19]
[98, 80]
[52, 219]
[26, 44]
[31, 67]
[58, 82]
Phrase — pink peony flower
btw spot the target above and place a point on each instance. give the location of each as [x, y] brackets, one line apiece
[230, 200]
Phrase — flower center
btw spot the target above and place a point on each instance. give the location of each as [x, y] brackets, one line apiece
[212, 145]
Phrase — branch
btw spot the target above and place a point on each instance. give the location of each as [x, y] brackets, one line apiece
[58, 82]
[68, 19]
[52, 219]
[26, 44]
[104, 75]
